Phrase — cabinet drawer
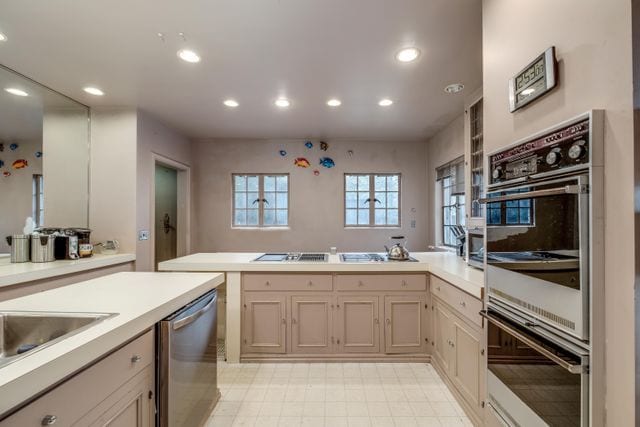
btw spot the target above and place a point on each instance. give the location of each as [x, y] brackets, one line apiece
[80, 394]
[465, 304]
[381, 282]
[287, 282]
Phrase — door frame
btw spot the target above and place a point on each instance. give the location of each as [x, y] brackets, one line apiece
[183, 220]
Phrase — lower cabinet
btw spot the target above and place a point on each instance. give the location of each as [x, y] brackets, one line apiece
[359, 317]
[117, 391]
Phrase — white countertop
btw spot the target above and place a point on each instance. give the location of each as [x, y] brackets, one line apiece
[139, 299]
[13, 274]
[446, 265]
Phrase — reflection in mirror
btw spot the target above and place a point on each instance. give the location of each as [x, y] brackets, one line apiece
[44, 157]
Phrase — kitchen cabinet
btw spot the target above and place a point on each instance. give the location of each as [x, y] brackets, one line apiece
[312, 324]
[264, 323]
[358, 324]
[118, 390]
[317, 315]
[405, 323]
[474, 160]
[459, 344]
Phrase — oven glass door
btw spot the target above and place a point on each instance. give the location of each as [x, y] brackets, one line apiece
[538, 230]
[533, 381]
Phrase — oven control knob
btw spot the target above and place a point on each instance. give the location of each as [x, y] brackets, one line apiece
[497, 173]
[577, 150]
[553, 157]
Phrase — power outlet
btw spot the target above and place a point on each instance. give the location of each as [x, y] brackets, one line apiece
[143, 235]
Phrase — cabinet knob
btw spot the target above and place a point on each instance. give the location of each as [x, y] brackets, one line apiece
[404, 283]
[376, 321]
[438, 288]
[463, 304]
[388, 321]
[49, 420]
[310, 283]
[136, 359]
[293, 321]
[267, 284]
[284, 321]
[360, 283]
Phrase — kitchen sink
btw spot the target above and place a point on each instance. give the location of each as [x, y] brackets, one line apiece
[370, 257]
[293, 256]
[24, 332]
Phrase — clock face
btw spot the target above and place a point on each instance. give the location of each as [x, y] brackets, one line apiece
[533, 81]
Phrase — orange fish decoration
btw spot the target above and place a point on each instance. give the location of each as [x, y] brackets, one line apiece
[20, 164]
[301, 162]
[6, 174]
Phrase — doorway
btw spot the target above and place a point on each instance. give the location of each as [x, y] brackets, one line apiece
[166, 214]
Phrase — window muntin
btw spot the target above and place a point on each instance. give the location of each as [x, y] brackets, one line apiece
[372, 200]
[37, 205]
[260, 200]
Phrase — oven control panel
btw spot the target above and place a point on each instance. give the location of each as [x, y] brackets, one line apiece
[560, 149]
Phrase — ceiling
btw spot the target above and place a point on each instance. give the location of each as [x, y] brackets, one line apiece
[255, 51]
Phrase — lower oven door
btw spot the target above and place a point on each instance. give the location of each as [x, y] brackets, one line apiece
[532, 381]
[537, 251]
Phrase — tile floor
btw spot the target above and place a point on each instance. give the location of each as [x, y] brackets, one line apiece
[334, 395]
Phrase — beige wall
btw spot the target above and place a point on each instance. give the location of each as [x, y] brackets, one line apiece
[593, 41]
[316, 218]
[153, 137]
[16, 190]
[112, 204]
[443, 147]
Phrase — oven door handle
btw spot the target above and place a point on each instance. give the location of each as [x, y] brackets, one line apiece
[572, 368]
[567, 189]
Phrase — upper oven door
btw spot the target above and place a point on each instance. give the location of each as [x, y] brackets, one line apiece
[537, 250]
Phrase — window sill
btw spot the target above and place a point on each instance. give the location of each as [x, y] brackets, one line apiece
[261, 228]
[391, 227]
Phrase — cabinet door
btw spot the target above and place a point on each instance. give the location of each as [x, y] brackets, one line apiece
[311, 324]
[264, 323]
[467, 361]
[405, 323]
[358, 324]
[442, 324]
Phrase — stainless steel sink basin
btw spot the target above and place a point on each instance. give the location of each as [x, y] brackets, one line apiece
[24, 332]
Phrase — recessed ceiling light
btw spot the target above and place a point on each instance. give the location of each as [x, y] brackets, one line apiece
[3, 38]
[385, 102]
[454, 88]
[17, 92]
[408, 54]
[231, 103]
[528, 91]
[334, 102]
[188, 56]
[282, 102]
[93, 91]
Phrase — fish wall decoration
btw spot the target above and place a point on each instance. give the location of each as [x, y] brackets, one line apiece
[38, 154]
[13, 147]
[1, 163]
[308, 144]
[6, 174]
[324, 146]
[301, 162]
[327, 162]
[20, 164]
[283, 153]
[1, 147]
[316, 172]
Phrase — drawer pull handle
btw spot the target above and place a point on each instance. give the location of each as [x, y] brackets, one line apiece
[49, 420]
[404, 283]
[267, 284]
[310, 283]
[136, 359]
[360, 283]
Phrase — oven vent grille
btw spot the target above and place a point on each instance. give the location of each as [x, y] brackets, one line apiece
[535, 309]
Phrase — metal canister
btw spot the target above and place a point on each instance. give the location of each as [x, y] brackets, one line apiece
[19, 247]
[42, 247]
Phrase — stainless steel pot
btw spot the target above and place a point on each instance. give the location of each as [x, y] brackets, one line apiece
[42, 248]
[19, 247]
[397, 252]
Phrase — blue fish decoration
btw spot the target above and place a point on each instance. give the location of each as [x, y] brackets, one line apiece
[308, 144]
[327, 162]
[13, 147]
[38, 154]
[1, 146]
[283, 153]
[1, 163]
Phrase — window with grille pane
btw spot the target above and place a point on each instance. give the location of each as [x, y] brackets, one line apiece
[372, 200]
[261, 200]
[451, 178]
[38, 200]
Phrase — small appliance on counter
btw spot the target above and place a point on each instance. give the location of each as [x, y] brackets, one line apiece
[475, 247]
[66, 245]
[397, 252]
[85, 248]
[109, 247]
[42, 246]
[19, 247]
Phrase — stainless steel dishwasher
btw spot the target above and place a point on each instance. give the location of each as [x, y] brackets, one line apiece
[187, 364]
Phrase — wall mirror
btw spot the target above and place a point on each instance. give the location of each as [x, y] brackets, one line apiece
[44, 157]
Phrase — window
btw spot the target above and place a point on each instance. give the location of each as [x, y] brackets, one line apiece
[451, 178]
[37, 209]
[512, 212]
[261, 200]
[372, 200]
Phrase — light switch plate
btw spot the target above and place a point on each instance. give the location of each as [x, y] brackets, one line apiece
[413, 223]
[143, 235]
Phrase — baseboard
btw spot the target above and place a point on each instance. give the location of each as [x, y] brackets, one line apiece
[344, 358]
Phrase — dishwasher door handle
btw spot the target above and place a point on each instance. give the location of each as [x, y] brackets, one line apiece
[181, 323]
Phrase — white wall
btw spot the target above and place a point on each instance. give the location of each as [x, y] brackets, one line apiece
[153, 137]
[593, 41]
[446, 145]
[316, 217]
[112, 205]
